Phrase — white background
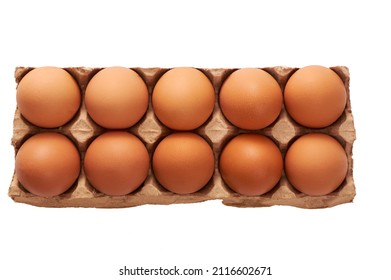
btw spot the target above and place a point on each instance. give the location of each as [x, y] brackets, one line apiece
[349, 241]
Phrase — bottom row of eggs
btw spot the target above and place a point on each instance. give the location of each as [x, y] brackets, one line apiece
[117, 163]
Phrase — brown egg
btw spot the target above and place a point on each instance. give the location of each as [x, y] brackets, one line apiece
[183, 162]
[251, 164]
[316, 164]
[116, 98]
[183, 98]
[116, 163]
[251, 98]
[48, 97]
[315, 96]
[47, 164]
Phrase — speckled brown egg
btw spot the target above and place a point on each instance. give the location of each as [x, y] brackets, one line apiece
[48, 97]
[316, 164]
[47, 164]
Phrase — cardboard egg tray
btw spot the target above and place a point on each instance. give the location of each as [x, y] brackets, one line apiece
[217, 131]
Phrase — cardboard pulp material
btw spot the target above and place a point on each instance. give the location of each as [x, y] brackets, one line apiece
[217, 131]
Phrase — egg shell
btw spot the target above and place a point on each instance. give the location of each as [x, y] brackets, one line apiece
[116, 163]
[183, 98]
[47, 164]
[316, 164]
[48, 97]
[251, 164]
[315, 96]
[183, 162]
[251, 98]
[116, 98]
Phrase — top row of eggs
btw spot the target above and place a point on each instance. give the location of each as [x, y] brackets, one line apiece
[183, 98]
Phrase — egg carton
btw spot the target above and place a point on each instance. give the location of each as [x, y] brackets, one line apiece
[217, 131]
